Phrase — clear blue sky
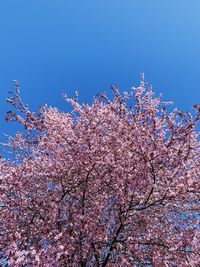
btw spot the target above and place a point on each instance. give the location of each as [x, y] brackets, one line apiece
[52, 46]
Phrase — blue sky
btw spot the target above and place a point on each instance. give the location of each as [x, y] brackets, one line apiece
[52, 46]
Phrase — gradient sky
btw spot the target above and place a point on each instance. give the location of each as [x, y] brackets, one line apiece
[52, 46]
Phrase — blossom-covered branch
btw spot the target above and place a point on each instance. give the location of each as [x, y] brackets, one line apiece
[114, 183]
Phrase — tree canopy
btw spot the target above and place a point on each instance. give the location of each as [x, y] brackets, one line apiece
[114, 183]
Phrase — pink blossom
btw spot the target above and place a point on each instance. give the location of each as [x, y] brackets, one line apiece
[104, 185]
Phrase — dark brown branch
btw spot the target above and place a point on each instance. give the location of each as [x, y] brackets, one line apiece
[153, 186]
[95, 255]
[112, 244]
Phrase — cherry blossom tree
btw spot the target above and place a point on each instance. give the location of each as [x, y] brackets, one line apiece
[114, 183]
